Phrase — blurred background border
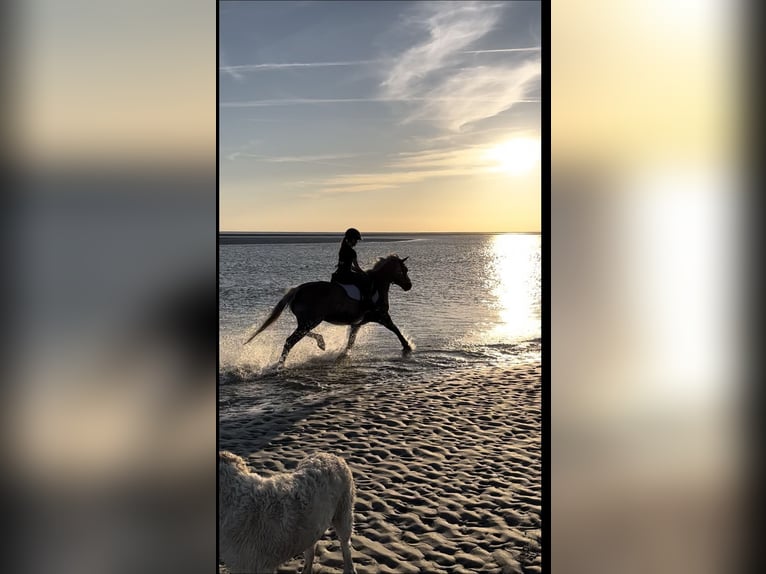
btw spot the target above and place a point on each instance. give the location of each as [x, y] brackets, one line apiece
[109, 135]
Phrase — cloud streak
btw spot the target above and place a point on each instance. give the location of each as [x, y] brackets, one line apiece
[237, 71]
[323, 159]
[501, 50]
[358, 183]
[297, 102]
[473, 98]
[435, 74]
[236, 76]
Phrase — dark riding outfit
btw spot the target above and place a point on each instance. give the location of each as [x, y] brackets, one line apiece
[348, 270]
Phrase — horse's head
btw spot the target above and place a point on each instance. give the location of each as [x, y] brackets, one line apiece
[393, 269]
[400, 277]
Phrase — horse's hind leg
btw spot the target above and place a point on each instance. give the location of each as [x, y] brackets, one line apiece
[296, 336]
[318, 338]
[300, 332]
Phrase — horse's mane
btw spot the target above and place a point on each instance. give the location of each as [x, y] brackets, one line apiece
[383, 260]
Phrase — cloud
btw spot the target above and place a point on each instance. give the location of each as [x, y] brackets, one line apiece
[229, 70]
[323, 159]
[478, 93]
[308, 158]
[296, 101]
[447, 99]
[414, 167]
[451, 27]
[501, 50]
[356, 183]
[237, 71]
[438, 75]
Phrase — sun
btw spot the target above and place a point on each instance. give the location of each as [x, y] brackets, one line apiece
[516, 156]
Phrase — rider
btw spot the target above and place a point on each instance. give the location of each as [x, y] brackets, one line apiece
[349, 270]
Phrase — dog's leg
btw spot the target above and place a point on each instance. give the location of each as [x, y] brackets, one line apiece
[308, 559]
[345, 548]
[343, 523]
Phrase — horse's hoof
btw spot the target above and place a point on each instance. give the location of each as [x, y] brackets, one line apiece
[407, 351]
[321, 345]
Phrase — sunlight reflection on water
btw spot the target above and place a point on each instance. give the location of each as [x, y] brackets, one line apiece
[514, 282]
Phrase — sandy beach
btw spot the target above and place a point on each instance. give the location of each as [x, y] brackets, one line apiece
[447, 472]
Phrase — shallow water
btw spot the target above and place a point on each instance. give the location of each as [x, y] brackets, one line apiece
[475, 301]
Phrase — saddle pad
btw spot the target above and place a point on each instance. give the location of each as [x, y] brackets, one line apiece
[352, 291]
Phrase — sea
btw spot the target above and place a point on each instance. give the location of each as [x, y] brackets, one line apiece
[475, 303]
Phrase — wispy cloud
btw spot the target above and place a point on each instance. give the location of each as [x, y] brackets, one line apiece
[415, 167]
[309, 158]
[228, 69]
[474, 94]
[237, 71]
[323, 159]
[436, 74]
[475, 99]
[267, 67]
[296, 101]
[358, 183]
[501, 50]
[451, 28]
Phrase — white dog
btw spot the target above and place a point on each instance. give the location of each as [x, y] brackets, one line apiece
[264, 522]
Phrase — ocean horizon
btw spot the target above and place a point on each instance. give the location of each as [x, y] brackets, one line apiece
[255, 237]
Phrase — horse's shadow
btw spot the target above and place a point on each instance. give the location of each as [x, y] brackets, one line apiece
[245, 432]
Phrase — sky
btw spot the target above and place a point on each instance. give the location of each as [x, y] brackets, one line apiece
[385, 116]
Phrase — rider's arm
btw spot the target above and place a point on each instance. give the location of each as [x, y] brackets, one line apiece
[355, 264]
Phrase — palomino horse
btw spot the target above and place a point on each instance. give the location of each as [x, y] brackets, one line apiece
[312, 303]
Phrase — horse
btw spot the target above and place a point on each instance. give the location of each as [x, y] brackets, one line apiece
[318, 301]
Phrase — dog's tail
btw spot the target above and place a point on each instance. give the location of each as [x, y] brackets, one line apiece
[286, 300]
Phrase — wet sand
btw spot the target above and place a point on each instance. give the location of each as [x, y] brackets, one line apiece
[448, 473]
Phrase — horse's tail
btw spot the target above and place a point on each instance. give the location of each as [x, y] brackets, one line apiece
[286, 300]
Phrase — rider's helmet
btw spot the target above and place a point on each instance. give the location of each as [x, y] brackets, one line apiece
[353, 233]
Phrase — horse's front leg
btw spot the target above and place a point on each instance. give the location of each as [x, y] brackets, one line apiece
[389, 324]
